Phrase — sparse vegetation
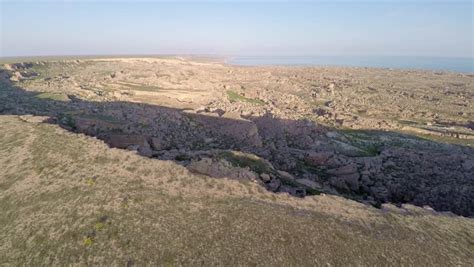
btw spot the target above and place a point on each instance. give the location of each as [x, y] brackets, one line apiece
[446, 139]
[101, 117]
[67, 120]
[90, 181]
[302, 167]
[243, 160]
[139, 87]
[216, 217]
[368, 142]
[53, 96]
[88, 241]
[236, 97]
[144, 204]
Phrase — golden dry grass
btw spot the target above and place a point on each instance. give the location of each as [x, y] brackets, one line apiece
[68, 199]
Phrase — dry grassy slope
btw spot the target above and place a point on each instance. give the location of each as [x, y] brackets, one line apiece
[69, 199]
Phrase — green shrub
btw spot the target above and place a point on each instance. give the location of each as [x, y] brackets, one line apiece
[235, 97]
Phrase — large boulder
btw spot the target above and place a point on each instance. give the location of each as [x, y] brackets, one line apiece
[285, 175]
[158, 143]
[308, 183]
[468, 165]
[346, 182]
[130, 141]
[237, 131]
[92, 126]
[274, 185]
[265, 177]
[318, 158]
[293, 191]
[344, 170]
[221, 169]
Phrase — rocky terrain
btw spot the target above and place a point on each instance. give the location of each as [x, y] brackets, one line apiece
[372, 135]
[118, 161]
[69, 199]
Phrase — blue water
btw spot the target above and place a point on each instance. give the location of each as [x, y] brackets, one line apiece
[426, 63]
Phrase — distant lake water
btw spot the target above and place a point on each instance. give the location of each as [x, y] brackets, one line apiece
[426, 63]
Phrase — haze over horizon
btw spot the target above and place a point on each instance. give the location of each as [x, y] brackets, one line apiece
[236, 132]
[409, 28]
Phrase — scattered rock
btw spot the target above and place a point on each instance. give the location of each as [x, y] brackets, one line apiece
[293, 191]
[273, 185]
[347, 169]
[285, 175]
[371, 162]
[157, 143]
[308, 183]
[468, 165]
[265, 177]
[221, 169]
[130, 141]
[318, 158]
[351, 180]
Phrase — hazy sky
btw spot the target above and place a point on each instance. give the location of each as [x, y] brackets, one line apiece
[423, 28]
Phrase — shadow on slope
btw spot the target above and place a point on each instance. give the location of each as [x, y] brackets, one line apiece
[298, 157]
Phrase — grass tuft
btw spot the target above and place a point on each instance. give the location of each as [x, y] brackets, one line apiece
[53, 96]
[88, 241]
[235, 97]
[242, 160]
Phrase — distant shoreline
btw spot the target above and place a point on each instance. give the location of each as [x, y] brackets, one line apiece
[462, 65]
[459, 64]
[17, 59]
